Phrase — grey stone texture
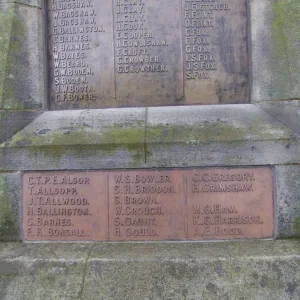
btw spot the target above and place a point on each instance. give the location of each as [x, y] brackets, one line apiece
[288, 201]
[37, 3]
[22, 66]
[255, 270]
[13, 121]
[89, 139]
[275, 43]
[10, 195]
[287, 112]
[44, 272]
[230, 135]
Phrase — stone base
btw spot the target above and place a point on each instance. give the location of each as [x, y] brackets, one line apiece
[157, 271]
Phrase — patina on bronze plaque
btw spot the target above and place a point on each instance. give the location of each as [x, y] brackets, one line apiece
[146, 205]
[121, 53]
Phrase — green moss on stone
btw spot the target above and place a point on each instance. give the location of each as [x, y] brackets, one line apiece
[12, 32]
[80, 140]
[8, 217]
[83, 141]
[286, 37]
[279, 34]
[208, 132]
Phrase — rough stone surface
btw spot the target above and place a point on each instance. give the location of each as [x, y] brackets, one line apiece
[275, 49]
[217, 136]
[287, 112]
[42, 272]
[288, 201]
[37, 3]
[237, 270]
[13, 121]
[10, 196]
[171, 137]
[85, 140]
[21, 57]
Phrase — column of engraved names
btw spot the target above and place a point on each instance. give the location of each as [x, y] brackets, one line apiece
[199, 26]
[56, 207]
[134, 41]
[142, 206]
[73, 25]
[228, 205]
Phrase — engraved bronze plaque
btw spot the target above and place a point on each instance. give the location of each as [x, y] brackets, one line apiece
[122, 53]
[149, 205]
[64, 206]
[230, 203]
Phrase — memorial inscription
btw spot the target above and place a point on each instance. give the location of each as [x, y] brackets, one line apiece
[119, 53]
[142, 205]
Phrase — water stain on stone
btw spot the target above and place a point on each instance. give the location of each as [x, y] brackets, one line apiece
[212, 288]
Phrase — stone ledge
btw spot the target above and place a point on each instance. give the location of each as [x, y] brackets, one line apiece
[151, 137]
[87, 139]
[217, 136]
[111, 271]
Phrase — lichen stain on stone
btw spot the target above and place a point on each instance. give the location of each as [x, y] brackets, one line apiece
[286, 37]
[279, 23]
[209, 132]
[181, 270]
[12, 32]
[8, 217]
[80, 139]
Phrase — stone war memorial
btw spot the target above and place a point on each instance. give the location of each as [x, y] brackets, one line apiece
[149, 150]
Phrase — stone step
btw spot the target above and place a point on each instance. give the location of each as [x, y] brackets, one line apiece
[151, 271]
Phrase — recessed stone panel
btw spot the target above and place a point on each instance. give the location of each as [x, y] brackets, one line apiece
[117, 53]
[149, 205]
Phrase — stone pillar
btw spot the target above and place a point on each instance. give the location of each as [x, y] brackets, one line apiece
[22, 64]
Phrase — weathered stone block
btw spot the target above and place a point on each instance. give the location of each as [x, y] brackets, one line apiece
[21, 57]
[163, 137]
[209, 271]
[42, 272]
[94, 139]
[249, 270]
[173, 137]
[275, 49]
[217, 135]
[288, 201]
[287, 112]
[10, 197]
[13, 121]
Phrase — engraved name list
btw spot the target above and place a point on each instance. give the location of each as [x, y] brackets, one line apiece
[142, 205]
[120, 53]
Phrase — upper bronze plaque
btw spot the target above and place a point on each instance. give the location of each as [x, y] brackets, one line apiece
[121, 53]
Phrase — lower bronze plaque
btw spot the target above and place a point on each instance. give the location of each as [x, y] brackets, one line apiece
[142, 205]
